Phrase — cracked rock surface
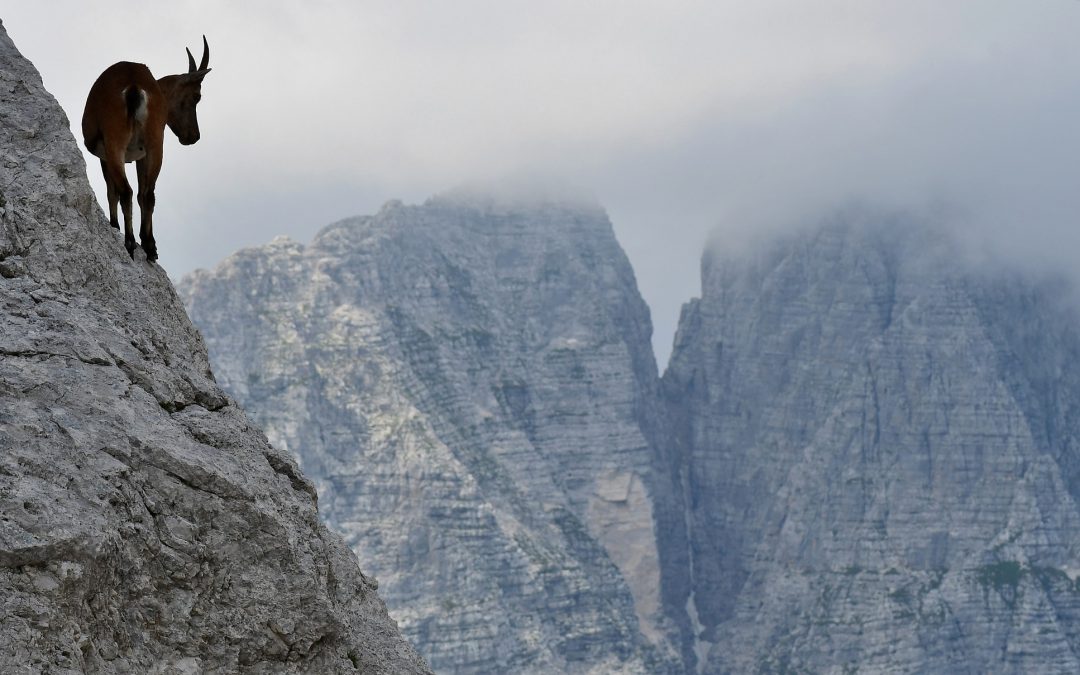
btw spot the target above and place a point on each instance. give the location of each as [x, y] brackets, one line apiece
[863, 456]
[145, 524]
[880, 448]
[470, 384]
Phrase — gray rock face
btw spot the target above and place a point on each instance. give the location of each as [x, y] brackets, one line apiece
[145, 524]
[880, 453]
[471, 386]
[863, 456]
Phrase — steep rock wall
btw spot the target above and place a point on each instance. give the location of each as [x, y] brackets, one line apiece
[879, 452]
[145, 524]
[471, 385]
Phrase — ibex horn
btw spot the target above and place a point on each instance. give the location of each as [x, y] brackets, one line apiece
[205, 57]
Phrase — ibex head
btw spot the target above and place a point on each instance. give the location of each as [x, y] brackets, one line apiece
[185, 95]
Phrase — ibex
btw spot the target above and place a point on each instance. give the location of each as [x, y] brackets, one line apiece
[124, 121]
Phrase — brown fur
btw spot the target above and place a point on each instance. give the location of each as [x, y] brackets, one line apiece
[113, 132]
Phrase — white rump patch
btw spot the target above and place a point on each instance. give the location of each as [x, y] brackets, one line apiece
[141, 111]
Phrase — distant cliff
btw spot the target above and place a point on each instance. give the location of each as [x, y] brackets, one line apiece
[470, 384]
[863, 456]
[145, 524]
[880, 446]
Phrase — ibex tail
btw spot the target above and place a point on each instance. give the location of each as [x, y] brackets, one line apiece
[136, 104]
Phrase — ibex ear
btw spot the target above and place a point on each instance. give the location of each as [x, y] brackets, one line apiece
[195, 77]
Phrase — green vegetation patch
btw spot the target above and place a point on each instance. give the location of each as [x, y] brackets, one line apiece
[1000, 575]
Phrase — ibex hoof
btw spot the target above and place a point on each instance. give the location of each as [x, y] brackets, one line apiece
[151, 250]
[129, 244]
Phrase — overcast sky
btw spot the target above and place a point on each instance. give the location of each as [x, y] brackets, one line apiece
[680, 117]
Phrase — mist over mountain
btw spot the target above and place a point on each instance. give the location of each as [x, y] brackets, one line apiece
[680, 116]
[862, 456]
[880, 446]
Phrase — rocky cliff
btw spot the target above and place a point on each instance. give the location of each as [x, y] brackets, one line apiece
[879, 445]
[145, 524]
[862, 458]
[471, 386]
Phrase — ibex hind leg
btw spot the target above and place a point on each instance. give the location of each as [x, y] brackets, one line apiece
[118, 185]
[113, 197]
[147, 170]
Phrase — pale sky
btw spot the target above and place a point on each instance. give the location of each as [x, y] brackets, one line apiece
[679, 117]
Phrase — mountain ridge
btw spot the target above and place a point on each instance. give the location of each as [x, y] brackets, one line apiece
[849, 370]
[461, 319]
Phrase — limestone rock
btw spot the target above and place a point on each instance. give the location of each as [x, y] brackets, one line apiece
[471, 386]
[145, 524]
[862, 458]
[880, 450]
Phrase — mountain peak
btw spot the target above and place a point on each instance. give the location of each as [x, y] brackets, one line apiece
[434, 368]
[881, 460]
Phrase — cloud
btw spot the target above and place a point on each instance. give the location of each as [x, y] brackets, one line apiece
[680, 116]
